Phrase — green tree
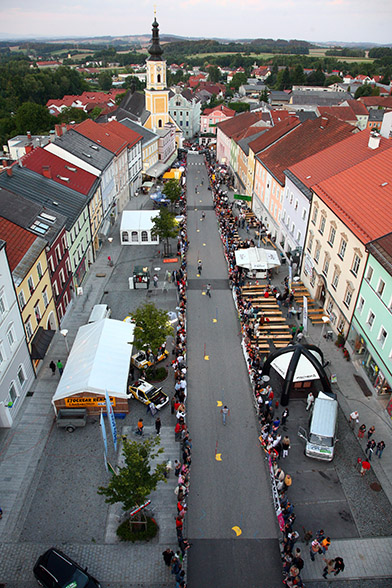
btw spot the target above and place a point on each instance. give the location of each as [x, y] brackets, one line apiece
[172, 190]
[366, 90]
[72, 114]
[151, 327]
[239, 79]
[316, 78]
[214, 74]
[135, 481]
[264, 96]
[298, 77]
[333, 80]
[239, 106]
[133, 82]
[105, 80]
[283, 80]
[165, 227]
[34, 118]
[96, 111]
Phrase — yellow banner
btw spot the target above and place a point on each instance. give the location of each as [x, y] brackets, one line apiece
[73, 401]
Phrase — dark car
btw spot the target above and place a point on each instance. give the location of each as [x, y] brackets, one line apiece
[54, 569]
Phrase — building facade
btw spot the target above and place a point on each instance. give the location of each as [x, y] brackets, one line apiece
[16, 370]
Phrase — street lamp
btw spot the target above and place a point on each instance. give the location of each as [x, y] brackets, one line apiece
[64, 333]
[325, 320]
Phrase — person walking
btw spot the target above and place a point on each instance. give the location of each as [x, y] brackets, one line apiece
[155, 280]
[309, 401]
[60, 367]
[354, 418]
[208, 290]
[361, 431]
[329, 568]
[339, 565]
[140, 427]
[325, 543]
[371, 444]
[371, 431]
[158, 425]
[380, 448]
[314, 548]
[225, 413]
[285, 446]
[365, 466]
[168, 555]
[52, 366]
[285, 415]
[199, 267]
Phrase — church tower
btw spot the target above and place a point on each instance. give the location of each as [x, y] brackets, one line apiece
[157, 95]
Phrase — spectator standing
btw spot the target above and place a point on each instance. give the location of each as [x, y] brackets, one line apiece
[361, 431]
[52, 366]
[371, 431]
[309, 401]
[354, 418]
[168, 555]
[380, 448]
[158, 425]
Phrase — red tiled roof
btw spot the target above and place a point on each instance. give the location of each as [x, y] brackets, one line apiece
[220, 108]
[242, 121]
[132, 137]
[358, 107]
[253, 130]
[18, 241]
[61, 171]
[344, 113]
[273, 134]
[337, 158]
[383, 101]
[361, 196]
[98, 134]
[279, 114]
[306, 139]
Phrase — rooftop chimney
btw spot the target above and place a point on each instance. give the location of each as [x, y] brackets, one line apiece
[47, 172]
[374, 140]
[29, 135]
[58, 130]
[29, 148]
[9, 172]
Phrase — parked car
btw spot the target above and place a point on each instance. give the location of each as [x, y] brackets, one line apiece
[148, 394]
[54, 569]
[143, 359]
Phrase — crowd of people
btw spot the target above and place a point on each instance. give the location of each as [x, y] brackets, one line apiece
[274, 441]
[174, 560]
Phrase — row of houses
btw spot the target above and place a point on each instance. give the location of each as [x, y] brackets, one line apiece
[323, 188]
[58, 201]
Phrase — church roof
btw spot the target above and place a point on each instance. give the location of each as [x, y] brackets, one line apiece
[155, 50]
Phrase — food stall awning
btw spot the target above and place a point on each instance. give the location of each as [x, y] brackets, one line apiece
[147, 184]
[256, 258]
[173, 174]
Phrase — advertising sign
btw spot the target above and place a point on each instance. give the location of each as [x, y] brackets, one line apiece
[112, 420]
[74, 401]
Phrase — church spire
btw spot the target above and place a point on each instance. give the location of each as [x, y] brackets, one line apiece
[155, 50]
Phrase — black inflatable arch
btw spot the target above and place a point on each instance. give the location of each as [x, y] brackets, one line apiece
[297, 350]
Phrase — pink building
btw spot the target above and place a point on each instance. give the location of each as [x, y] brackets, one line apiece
[212, 116]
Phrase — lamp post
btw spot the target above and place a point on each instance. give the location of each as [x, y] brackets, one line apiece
[64, 333]
[325, 320]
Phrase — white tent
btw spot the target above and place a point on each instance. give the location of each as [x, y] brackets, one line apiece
[136, 227]
[304, 371]
[257, 259]
[99, 360]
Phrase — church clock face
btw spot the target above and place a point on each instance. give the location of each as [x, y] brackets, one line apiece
[158, 68]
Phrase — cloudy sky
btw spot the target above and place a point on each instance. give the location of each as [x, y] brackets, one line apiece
[312, 20]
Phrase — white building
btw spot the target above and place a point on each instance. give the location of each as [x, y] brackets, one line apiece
[16, 369]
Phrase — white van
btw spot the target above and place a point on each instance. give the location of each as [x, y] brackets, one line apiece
[321, 438]
[99, 311]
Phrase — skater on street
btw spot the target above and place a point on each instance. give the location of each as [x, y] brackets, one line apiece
[199, 267]
[208, 290]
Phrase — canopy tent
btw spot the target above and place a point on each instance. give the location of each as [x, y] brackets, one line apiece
[304, 370]
[147, 184]
[257, 259]
[136, 226]
[297, 363]
[98, 361]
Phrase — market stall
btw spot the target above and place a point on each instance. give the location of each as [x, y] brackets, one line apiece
[136, 226]
[98, 361]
